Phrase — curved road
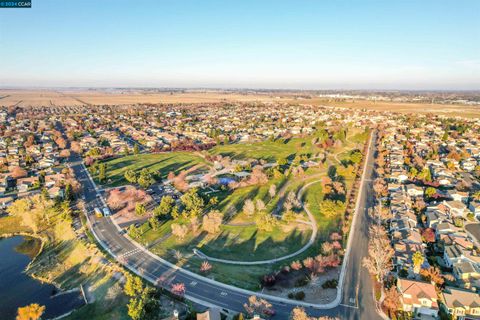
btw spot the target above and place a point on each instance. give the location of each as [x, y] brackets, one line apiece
[355, 301]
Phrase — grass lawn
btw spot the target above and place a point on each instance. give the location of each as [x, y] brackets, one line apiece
[233, 242]
[313, 198]
[160, 162]
[11, 224]
[268, 150]
[247, 243]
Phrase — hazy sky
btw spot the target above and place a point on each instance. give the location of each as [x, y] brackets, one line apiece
[318, 44]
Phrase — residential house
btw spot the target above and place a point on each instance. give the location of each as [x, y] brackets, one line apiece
[418, 297]
[413, 190]
[456, 209]
[461, 304]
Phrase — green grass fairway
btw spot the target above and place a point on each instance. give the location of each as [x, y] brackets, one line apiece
[162, 162]
[267, 150]
[247, 243]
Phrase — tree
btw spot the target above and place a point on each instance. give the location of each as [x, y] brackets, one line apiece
[205, 267]
[130, 176]
[140, 209]
[272, 191]
[68, 192]
[258, 306]
[31, 312]
[23, 208]
[102, 172]
[476, 196]
[136, 149]
[260, 205]
[265, 221]
[417, 260]
[380, 188]
[425, 174]
[298, 313]
[126, 151]
[380, 253]
[134, 232]
[133, 286]
[62, 144]
[428, 235]
[356, 156]
[146, 178]
[432, 274]
[165, 207]
[179, 231]
[178, 288]
[212, 221]
[332, 208]
[76, 147]
[430, 192]
[249, 207]
[192, 201]
[296, 265]
[391, 301]
[154, 223]
[136, 309]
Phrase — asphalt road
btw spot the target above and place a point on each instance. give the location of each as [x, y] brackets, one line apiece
[357, 299]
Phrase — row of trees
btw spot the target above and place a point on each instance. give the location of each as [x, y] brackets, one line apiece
[143, 303]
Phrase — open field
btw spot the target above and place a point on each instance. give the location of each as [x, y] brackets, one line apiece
[50, 97]
[401, 107]
[160, 162]
[87, 97]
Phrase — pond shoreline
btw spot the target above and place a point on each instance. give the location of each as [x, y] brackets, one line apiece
[37, 289]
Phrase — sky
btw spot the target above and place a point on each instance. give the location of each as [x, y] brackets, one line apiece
[317, 44]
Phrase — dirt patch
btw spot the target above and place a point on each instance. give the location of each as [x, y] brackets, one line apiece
[123, 202]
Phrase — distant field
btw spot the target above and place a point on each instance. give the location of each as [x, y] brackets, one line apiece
[85, 97]
[451, 110]
[163, 162]
[78, 98]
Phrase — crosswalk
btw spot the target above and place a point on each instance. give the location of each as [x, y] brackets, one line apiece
[129, 253]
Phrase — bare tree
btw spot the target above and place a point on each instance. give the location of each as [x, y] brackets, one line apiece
[272, 191]
[249, 207]
[380, 253]
[212, 221]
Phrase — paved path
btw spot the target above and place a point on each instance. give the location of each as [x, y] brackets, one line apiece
[310, 242]
[354, 299]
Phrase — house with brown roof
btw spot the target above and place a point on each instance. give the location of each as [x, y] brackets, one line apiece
[418, 297]
[461, 304]
[210, 314]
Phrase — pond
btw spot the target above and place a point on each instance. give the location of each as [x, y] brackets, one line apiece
[17, 289]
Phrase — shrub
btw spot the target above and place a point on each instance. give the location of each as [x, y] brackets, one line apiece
[268, 280]
[330, 284]
[300, 295]
[302, 282]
